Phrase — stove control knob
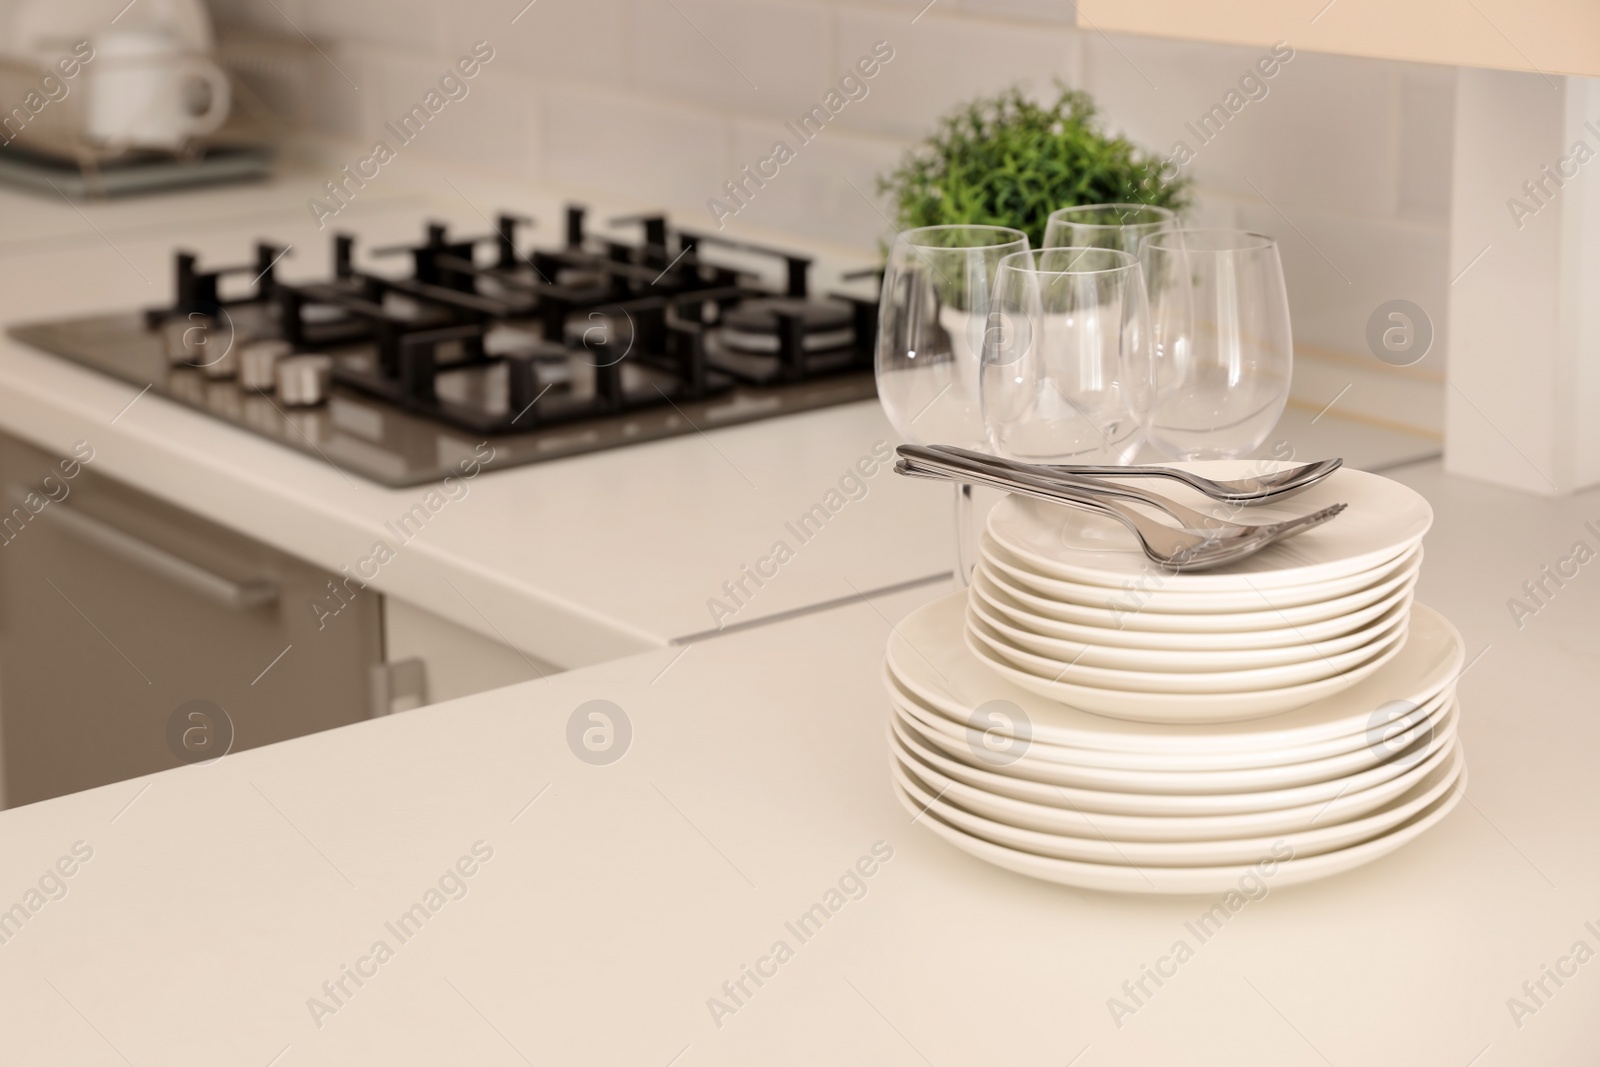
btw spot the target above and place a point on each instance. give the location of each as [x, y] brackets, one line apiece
[304, 380]
[258, 364]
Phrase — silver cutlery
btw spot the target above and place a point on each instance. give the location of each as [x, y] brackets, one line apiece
[1221, 542]
[950, 455]
[1245, 491]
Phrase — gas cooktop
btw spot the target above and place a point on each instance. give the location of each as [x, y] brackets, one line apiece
[544, 354]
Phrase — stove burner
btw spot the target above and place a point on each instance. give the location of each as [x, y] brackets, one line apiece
[618, 341]
[755, 326]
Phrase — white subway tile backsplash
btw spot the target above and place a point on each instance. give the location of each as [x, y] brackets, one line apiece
[828, 190]
[1322, 137]
[732, 55]
[1339, 268]
[914, 9]
[337, 99]
[259, 14]
[943, 60]
[1212, 209]
[634, 147]
[1319, 132]
[399, 84]
[415, 25]
[1148, 86]
[492, 125]
[1062, 11]
[554, 41]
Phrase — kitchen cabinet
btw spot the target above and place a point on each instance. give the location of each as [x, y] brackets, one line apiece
[450, 661]
[117, 610]
[1543, 37]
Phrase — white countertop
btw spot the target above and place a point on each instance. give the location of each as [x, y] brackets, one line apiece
[220, 898]
[575, 561]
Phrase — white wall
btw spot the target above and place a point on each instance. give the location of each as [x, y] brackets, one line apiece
[1346, 160]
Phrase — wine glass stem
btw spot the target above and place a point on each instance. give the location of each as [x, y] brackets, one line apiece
[966, 535]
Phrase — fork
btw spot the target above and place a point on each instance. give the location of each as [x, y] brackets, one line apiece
[949, 457]
[1179, 550]
[1257, 489]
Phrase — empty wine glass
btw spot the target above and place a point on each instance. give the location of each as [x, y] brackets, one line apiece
[1222, 350]
[1120, 226]
[937, 294]
[1066, 364]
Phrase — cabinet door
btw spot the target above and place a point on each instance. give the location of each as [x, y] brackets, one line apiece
[117, 610]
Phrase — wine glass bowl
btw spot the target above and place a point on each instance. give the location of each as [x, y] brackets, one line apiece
[938, 287]
[1120, 226]
[937, 290]
[1066, 367]
[1222, 346]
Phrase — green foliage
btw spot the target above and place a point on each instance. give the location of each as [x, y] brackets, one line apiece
[1008, 161]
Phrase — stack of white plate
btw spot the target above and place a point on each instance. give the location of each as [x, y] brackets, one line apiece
[1038, 787]
[1082, 717]
[1064, 604]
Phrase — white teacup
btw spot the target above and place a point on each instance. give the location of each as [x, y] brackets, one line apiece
[147, 91]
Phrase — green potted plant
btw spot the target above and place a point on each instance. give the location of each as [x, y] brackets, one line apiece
[1007, 160]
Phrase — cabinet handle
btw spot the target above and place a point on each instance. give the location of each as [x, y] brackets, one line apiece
[240, 596]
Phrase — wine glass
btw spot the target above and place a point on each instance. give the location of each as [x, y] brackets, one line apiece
[1066, 365]
[1223, 352]
[1120, 226]
[937, 294]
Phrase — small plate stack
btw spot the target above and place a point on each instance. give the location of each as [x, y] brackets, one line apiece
[1082, 716]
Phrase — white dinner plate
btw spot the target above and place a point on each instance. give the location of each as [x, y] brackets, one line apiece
[1136, 803]
[1188, 880]
[1016, 607]
[987, 601]
[1382, 732]
[1055, 765]
[1154, 592]
[1073, 671]
[1179, 707]
[1140, 817]
[1050, 818]
[1169, 854]
[927, 652]
[1134, 617]
[1384, 519]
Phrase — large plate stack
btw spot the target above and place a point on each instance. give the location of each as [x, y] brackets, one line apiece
[1084, 716]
